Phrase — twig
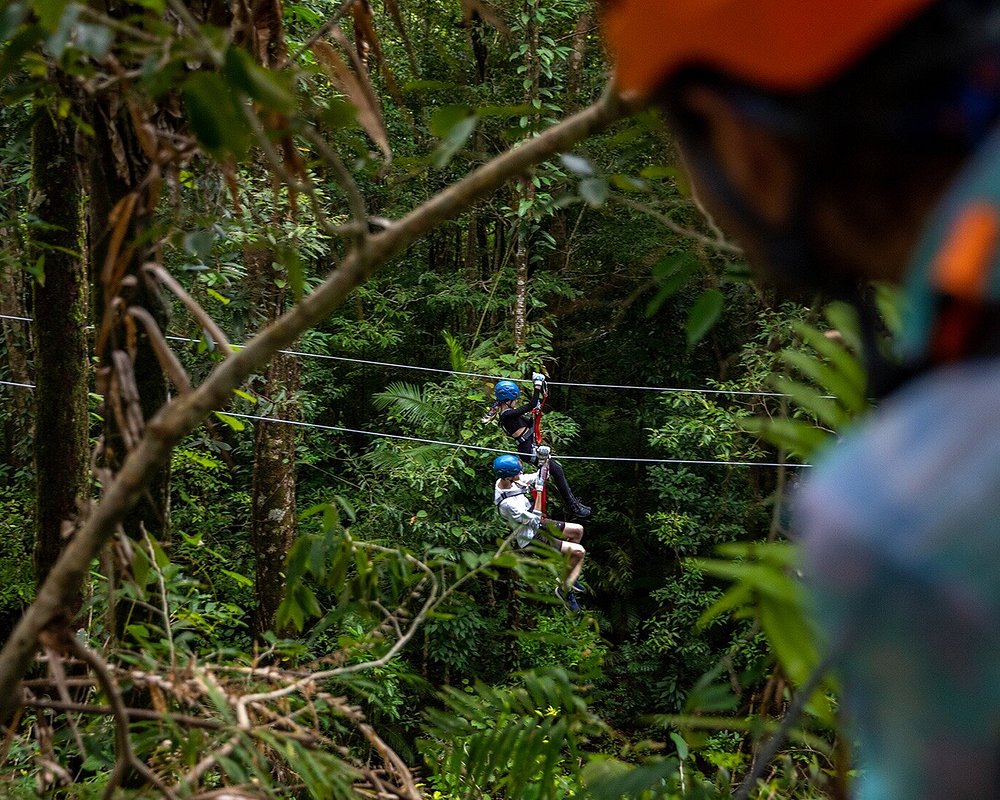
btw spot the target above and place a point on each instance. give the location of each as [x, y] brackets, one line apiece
[126, 756]
[191, 304]
[795, 710]
[59, 679]
[144, 714]
[198, 770]
[719, 244]
[346, 182]
[164, 610]
[168, 361]
[322, 31]
[303, 186]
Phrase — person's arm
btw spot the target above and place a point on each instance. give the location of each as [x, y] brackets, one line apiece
[519, 510]
[528, 407]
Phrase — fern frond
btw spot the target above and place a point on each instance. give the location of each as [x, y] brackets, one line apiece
[456, 353]
[409, 402]
[501, 741]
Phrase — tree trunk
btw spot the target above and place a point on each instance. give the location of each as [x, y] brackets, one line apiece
[60, 316]
[526, 196]
[123, 191]
[16, 336]
[273, 494]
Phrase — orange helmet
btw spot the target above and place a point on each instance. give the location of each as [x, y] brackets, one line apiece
[791, 45]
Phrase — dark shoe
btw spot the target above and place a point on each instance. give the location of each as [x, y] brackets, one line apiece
[579, 587]
[568, 599]
[578, 509]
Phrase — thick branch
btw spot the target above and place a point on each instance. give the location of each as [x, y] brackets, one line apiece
[179, 417]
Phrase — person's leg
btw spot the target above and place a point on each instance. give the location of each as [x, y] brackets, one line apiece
[575, 554]
[572, 532]
[573, 505]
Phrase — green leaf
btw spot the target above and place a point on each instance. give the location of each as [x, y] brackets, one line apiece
[609, 779]
[594, 191]
[673, 273]
[802, 439]
[680, 744]
[140, 566]
[216, 115]
[199, 243]
[339, 114]
[454, 141]
[50, 12]
[232, 422]
[444, 118]
[703, 315]
[294, 270]
[268, 88]
[629, 184]
[246, 396]
[826, 409]
[831, 381]
[242, 580]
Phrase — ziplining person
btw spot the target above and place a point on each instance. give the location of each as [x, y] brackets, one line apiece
[841, 142]
[522, 424]
[512, 496]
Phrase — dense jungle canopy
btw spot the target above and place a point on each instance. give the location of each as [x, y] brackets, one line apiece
[262, 264]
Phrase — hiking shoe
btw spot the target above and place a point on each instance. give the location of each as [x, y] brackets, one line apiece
[568, 599]
[579, 510]
[579, 587]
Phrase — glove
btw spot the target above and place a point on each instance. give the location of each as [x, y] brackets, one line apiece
[538, 379]
[536, 520]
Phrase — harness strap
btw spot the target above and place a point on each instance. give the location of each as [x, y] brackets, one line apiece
[508, 493]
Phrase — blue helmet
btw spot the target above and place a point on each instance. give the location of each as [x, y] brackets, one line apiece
[506, 390]
[507, 466]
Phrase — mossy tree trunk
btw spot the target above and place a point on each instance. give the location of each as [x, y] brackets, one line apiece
[60, 312]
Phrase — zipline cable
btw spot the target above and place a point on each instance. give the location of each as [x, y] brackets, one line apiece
[480, 448]
[391, 365]
[484, 376]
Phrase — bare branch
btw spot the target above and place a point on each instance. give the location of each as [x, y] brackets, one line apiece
[191, 305]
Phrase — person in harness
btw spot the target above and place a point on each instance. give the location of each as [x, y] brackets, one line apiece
[843, 142]
[512, 497]
[516, 422]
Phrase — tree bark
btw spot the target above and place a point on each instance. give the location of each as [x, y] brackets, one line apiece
[273, 493]
[61, 357]
[122, 192]
[14, 302]
[525, 222]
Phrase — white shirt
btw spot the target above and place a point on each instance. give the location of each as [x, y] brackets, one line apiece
[516, 507]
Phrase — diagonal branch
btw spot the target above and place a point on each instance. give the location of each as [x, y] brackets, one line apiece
[166, 429]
